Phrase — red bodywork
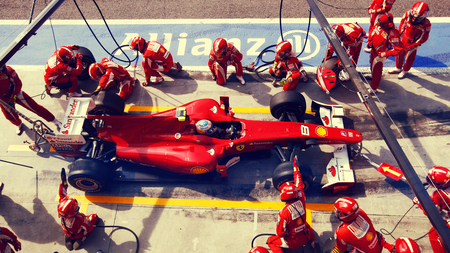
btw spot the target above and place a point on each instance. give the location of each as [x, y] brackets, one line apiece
[162, 141]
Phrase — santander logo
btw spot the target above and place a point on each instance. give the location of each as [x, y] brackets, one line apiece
[72, 112]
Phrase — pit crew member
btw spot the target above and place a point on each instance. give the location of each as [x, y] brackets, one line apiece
[292, 229]
[58, 70]
[356, 229]
[385, 40]
[438, 177]
[403, 245]
[7, 237]
[11, 93]
[376, 9]
[222, 55]
[414, 29]
[76, 225]
[287, 62]
[351, 36]
[156, 59]
[112, 74]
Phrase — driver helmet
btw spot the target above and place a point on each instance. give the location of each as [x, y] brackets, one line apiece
[68, 207]
[65, 55]
[405, 245]
[205, 126]
[346, 209]
[258, 249]
[96, 70]
[220, 47]
[288, 192]
[386, 21]
[418, 13]
[339, 30]
[138, 44]
[283, 49]
[439, 177]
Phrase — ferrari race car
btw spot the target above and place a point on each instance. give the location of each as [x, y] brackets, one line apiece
[97, 133]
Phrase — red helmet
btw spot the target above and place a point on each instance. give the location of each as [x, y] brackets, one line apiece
[405, 245]
[220, 46]
[288, 192]
[386, 21]
[138, 44]
[283, 49]
[346, 209]
[96, 70]
[68, 207]
[418, 13]
[439, 176]
[258, 249]
[339, 30]
[65, 55]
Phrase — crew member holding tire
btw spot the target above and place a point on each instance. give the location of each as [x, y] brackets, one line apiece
[222, 55]
[292, 229]
[156, 58]
[287, 62]
[11, 93]
[414, 29]
[376, 9]
[112, 74]
[76, 225]
[58, 70]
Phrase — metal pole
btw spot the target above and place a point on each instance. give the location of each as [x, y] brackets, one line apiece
[384, 129]
[29, 31]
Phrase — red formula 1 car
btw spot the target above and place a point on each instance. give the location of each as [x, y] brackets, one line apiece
[99, 134]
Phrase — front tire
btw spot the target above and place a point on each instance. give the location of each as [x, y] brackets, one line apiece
[88, 174]
[284, 173]
[288, 102]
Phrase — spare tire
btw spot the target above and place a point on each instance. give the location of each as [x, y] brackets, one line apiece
[107, 103]
[288, 101]
[284, 173]
[88, 59]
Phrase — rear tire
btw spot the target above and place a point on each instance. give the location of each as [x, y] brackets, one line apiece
[288, 101]
[88, 59]
[107, 103]
[284, 173]
[88, 174]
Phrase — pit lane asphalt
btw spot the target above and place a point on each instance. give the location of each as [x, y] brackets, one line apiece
[224, 217]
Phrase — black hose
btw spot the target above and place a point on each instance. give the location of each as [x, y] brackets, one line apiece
[254, 238]
[120, 227]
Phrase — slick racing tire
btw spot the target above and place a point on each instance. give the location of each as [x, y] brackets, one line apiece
[284, 173]
[88, 59]
[88, 174]
[290, 102]
[107, 103]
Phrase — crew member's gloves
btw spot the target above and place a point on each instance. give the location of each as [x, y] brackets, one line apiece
[416, 200]
[382, 54]
[372, 11]
[74, 47]
[17, 245]
[63, 177]
[213, 77]
[95, 93]
[79, 56]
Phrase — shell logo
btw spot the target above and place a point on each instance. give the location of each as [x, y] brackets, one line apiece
[300, 221]
[321, 131]
[369, 237]
[199, 170]
[240, 147]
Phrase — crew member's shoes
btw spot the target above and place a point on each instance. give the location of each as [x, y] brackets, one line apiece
[1, 187]
[274, 83]
[58, 124]
[19, 129]
[371, 91]
[75, 94]
[344, 76]
[368, 76]
[68, 242]
[305, 76]
[241, 80]
[402, 74]
[178, 66]
[367, 50]
[159, 79]
[48, 89]
[77, 244]
[394, 71]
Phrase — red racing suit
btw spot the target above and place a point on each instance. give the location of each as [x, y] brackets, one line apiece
[360, 234]
[378, 7]
[413, 36]
[6, 237]
[78, 226]
[354, 36]
[293, 231]
[116, 75]
[218, 64]
[292, 67]
[57, 73]
[11, 92]
[385, 43]
[156, 58]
